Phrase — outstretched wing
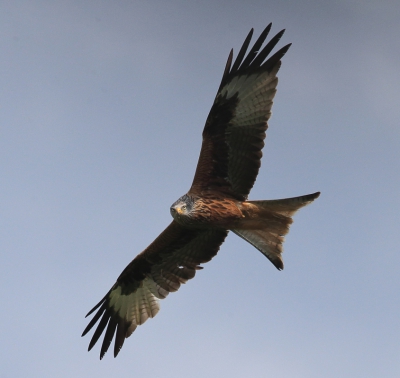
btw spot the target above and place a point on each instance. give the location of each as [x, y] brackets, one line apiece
[161, 268]
[234, 133]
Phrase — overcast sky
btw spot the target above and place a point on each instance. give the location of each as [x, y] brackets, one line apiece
[102, 106]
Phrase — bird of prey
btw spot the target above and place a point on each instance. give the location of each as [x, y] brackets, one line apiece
[216, 203]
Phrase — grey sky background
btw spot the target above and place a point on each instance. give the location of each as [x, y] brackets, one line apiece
[102, 105]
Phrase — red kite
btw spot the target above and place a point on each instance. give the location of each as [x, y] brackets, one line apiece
[230, 158]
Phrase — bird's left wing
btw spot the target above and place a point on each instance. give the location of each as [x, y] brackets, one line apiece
[161, 268]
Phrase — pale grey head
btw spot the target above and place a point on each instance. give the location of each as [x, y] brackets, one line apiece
[182, 208]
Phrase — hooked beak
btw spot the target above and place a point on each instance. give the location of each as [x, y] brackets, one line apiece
[179, 210]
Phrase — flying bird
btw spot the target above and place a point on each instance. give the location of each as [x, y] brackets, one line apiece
[230, 158]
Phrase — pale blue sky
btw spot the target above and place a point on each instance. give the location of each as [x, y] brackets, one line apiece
[102, 106]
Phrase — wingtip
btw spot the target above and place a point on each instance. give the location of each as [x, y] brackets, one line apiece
[284, 50]
[314, 196]
[227, 66]
[98, 304]
[267, 28]
[91, 345]
[116, 352]
[308, 198]
[278, 264]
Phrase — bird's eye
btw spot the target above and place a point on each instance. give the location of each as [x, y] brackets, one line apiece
[172, 210]
[184, 207]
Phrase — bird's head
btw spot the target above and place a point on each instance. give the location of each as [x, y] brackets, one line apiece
[182, 208]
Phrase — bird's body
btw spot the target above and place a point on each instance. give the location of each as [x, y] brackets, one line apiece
[205, 211]
[217, 202]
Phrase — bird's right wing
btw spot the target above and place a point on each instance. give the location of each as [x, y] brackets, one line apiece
[161, 268]
[234, 133]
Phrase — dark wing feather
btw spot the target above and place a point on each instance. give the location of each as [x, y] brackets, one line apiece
[234, 133]
[257, 45]
[267, 49]
[242, 51]
[161, 268]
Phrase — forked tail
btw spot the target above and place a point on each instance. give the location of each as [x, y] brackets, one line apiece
[267, 222]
